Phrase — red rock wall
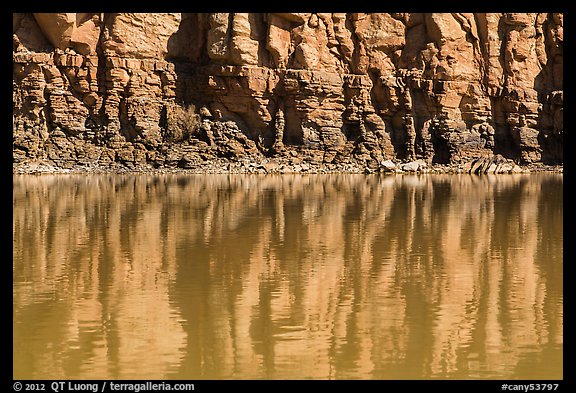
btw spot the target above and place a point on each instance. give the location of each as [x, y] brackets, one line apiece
[443, 87]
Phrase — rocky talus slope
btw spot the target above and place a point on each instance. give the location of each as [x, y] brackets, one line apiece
[287, 89]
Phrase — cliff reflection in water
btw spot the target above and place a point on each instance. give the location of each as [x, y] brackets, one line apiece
[335, 276]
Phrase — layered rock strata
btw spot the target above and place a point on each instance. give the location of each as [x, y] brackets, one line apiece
[169, 90]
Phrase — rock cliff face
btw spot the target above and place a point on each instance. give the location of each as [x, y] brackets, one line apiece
[155, 90]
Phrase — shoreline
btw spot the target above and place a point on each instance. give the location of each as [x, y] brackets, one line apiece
[479, 166]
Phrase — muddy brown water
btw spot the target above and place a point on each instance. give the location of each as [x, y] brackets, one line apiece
[288, 277]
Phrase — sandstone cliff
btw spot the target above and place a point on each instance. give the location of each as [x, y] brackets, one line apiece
[161, 90]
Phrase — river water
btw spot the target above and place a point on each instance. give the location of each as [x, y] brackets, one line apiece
[288, 277]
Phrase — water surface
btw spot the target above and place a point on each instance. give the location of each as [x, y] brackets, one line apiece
[287, 277]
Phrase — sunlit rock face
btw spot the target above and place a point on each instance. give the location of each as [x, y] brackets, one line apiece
[443, 87]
